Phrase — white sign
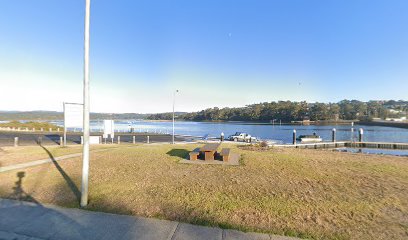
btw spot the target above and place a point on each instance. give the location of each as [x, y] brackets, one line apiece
[94, 140]
[73, 115]
[108, 128]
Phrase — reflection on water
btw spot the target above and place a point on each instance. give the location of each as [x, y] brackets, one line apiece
[281, 133]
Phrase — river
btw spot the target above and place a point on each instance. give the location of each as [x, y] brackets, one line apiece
[279, 133]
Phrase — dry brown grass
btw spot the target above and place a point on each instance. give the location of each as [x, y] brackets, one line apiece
[306, 193]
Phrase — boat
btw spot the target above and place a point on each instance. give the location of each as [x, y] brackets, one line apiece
[309, 138]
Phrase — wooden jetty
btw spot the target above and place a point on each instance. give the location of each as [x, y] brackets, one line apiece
[322, 145]
[380, 145]
[318, 145]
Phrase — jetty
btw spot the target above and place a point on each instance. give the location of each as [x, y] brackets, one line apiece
[320, 145]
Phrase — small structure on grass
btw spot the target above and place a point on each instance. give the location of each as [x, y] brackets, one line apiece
[208, 154]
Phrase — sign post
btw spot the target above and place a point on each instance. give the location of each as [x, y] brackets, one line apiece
[108, 128]
[72, 117]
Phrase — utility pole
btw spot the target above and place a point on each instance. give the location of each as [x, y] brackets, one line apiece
[174, 102]
[85, 155]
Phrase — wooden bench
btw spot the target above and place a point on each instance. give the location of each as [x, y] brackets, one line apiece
[225, 154]
[194, 155]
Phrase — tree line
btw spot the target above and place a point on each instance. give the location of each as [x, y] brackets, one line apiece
[287, 111]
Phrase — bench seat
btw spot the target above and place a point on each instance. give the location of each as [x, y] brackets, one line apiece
[225, 154]
[193, 155]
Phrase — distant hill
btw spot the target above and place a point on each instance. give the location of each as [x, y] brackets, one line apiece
[53, 115]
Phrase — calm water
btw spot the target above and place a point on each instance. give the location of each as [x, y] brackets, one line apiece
[278, 133]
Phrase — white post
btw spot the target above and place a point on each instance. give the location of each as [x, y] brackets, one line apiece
[86, 132]
[134, 139]
[174, 102]
[352, 135]
[360, 135]
[15, 141]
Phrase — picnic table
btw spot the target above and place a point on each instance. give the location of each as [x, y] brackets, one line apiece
[209, 150]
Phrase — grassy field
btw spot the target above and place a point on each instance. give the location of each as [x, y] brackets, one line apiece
[306, 193]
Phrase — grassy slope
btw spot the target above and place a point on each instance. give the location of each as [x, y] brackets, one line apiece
[307, 193]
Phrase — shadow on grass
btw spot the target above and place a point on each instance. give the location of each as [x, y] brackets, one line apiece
[18, 191]
[181, 153]
[71, 184]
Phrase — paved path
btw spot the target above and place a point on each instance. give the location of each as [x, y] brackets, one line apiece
[47, 160]
[30, 221]
[37, 162]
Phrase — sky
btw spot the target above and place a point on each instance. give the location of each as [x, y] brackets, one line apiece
[217, 53]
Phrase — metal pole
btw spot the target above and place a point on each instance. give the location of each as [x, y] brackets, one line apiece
[85, 156]
[174, 102]
[294, 137]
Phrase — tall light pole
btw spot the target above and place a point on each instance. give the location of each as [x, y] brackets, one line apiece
[85, 155]
[174, 102]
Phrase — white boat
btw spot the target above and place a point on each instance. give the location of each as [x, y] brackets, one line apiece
[309, 138]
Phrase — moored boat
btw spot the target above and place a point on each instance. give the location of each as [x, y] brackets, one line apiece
[309, 138]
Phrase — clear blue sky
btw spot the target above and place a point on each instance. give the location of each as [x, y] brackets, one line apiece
[218, 53]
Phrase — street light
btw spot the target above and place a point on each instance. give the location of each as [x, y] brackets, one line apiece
[85, 155]
[174, 102]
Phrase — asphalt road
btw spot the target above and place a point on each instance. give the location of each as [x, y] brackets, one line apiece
[28, 138]
[25, 220]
